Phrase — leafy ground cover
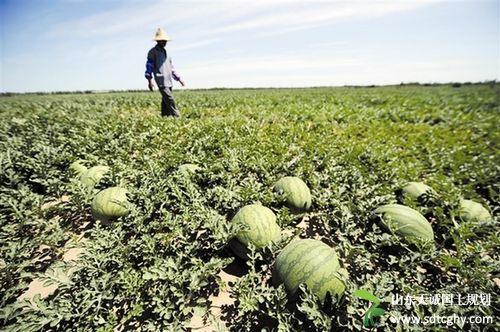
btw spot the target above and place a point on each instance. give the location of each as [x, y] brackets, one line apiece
[160, 267]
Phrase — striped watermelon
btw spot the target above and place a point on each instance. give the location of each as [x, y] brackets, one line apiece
[405, 221]
[110, 204]
[473, 211]
[78, 167]
[188, 169]
[296, 193]
[416, 189]
[257, 226]
[313, 263]
[93, 175]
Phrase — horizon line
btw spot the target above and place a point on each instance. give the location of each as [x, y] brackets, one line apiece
[103, 91]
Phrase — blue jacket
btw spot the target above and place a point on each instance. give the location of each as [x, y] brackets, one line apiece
[159, 64]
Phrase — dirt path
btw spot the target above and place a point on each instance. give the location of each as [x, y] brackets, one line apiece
[219, 302]
[36, 286]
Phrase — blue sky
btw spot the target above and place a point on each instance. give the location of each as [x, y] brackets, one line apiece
[63, 45]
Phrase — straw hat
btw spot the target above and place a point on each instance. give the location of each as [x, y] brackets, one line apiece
[161, 35]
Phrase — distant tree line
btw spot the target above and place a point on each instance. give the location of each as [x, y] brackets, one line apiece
[452, 84]
[43, 93]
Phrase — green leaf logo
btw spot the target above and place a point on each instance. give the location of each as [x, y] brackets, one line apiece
[373, 311]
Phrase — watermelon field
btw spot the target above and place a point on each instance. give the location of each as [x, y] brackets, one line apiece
[115, 219]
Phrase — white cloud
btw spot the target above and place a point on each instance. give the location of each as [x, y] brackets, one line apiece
[137, 15]
[272, 63]
[222, 17]
[298, 15]
[196, 44]
[272, 70]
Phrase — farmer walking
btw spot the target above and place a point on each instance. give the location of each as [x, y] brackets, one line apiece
[159, 64]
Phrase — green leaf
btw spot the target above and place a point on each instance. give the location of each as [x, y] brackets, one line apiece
[366, 295]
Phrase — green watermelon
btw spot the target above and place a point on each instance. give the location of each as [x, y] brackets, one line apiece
[313, 263]
[78, 167]
[257, 226]
[416, 189]
[406, 222]
[110, 203]
[188, 169]
[296, 193]
[473, 211]
[93, 175]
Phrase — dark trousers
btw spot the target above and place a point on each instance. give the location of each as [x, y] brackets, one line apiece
[168, 107]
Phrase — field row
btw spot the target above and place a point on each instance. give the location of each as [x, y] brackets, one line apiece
[167, 261]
